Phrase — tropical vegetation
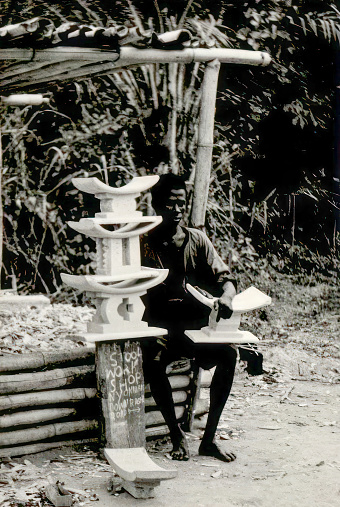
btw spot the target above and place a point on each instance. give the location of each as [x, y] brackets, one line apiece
[273, 195]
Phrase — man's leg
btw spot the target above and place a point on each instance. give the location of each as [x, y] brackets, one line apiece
[219, 391]
[155, 370]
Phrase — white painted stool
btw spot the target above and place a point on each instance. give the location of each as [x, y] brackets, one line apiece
[227, 330]
[117, 326]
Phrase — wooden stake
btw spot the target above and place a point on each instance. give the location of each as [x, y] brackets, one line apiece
[205, 144]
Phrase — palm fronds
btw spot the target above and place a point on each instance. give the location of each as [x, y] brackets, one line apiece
[326, 24]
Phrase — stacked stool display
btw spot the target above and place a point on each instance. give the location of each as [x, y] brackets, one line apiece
[117, 326]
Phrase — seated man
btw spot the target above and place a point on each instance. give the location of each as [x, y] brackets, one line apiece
[191, 258]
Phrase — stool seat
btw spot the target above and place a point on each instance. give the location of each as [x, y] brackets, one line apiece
[134, 464]
[214, 337]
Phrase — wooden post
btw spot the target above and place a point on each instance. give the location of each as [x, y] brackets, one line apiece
[14, 100]
[121, 389]
[205, 144]
[1, 209]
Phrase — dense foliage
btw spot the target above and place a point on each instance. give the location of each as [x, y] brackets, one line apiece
[272, 192]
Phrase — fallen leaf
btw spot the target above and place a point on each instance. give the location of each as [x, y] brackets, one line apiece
[319, 464]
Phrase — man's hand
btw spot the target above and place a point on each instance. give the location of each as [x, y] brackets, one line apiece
[224, 307]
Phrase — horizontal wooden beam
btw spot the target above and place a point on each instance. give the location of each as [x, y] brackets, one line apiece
[36, 70]
[43, 398]
[43, 380]
[37, 360]
[30, 435]
[133, 56]
[45, 446]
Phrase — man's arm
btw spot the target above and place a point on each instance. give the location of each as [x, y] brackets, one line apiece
[204, 254]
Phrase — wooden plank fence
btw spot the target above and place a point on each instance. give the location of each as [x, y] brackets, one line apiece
[49, 399]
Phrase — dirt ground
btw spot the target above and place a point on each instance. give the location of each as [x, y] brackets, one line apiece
[285, 435]
[282, 425]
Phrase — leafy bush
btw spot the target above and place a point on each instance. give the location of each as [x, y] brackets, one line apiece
[272, 191]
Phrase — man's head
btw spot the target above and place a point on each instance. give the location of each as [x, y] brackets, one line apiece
[169, 198]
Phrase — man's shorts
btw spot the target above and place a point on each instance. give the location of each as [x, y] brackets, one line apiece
[178, 316]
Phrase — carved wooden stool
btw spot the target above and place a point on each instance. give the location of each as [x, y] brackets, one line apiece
[117, 326]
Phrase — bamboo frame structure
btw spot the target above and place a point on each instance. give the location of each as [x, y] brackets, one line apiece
[205, 144]
[134, 56]
[32, 408]
[37, 69]
[41, 67]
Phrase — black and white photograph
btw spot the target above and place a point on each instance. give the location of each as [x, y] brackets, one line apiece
[169, 253]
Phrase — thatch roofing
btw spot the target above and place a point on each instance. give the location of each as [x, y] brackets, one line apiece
[36, 54]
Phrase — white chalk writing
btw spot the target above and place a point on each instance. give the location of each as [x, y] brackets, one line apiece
[125, 384]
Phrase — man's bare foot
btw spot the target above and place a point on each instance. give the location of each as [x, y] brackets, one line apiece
[212, 450]
[180, 450]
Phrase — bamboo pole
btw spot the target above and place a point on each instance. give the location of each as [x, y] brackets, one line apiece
[151, 431]
[41, 381]
[33, 417]
[133, 56]
[178, 397]
[45, 446]
[38, 360]
[201, 408]
[179, 381]
[205, 144]
[172, 134]
[155, 431]
[176, 382]
[80, 63]
[46, 431]
[155, 417]
[53, 397]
